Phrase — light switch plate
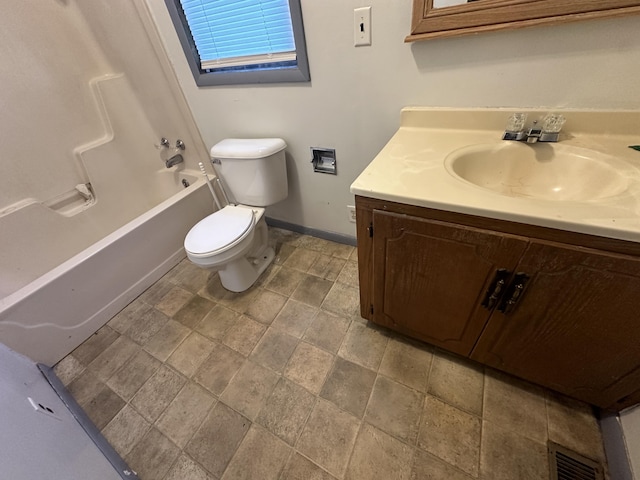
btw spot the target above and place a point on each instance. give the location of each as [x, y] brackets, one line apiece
[362, 26]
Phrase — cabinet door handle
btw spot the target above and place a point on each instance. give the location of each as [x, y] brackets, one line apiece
[496, 289]
[516, 290]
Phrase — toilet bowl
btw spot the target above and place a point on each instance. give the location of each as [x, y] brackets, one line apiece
[233, 241]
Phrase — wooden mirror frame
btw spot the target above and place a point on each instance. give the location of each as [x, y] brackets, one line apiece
[491, 15]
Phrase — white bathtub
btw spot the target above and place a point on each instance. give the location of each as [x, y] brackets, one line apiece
[46, 314]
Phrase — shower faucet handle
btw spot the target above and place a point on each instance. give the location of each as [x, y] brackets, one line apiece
[180, 144]
[164, 142]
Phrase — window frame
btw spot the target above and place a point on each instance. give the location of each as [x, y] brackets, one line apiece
[203, 78]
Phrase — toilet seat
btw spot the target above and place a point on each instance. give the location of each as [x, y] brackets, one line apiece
[219, 231]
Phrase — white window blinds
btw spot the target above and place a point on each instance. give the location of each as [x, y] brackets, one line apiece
[231, 33]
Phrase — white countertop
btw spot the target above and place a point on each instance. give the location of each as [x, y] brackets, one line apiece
[410, 169]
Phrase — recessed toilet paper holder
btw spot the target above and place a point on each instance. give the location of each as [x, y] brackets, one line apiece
[324, 160]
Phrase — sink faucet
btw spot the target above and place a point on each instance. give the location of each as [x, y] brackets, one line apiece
[176, 159]
[549, 132]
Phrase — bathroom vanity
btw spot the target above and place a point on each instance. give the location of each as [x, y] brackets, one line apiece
[542, 283]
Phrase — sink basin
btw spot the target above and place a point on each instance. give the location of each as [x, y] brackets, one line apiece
[548, 171]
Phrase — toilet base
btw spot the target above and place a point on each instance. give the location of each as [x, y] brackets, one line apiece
[241, 274]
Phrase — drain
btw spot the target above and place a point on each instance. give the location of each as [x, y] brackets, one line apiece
[185, 182]
[566, 464]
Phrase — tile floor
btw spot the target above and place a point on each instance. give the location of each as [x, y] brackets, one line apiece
[286, 381]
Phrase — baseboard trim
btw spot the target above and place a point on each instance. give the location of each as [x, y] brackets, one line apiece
[332, 236]
[85, 422]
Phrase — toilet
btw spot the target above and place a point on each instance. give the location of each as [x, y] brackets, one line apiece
[234, 239]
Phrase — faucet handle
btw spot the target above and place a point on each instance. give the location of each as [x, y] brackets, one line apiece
[553, 123]
[515, 127]
[516, 122]
[551, 126]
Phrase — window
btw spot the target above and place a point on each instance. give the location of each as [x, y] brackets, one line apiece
[241, 41]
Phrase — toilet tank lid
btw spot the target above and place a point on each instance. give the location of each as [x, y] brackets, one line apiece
[247, 147]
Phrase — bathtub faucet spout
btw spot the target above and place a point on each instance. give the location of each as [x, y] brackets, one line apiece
[176, 159]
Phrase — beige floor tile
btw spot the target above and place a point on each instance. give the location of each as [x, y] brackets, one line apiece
[103, 407]
[349, 274]
[158, 392]
[244, 335]
[342, 299]
[301, 259]
[218, 438]
[327, 267]
[192, 313]
[173, 301]
[327, 331]
[218, 369]
[274, 350]
[285, 281]
[125, 430]
[286, 410]
[395, 409]
[294, 318]
[363, 345]
[185, 413]
[85, 387]
[328, 437]
[283, 251]
[312, 290]
[95, 345]
[146, 325]
[574, 425]
[308, 367]
[155, 292]
[249, 389]
[163, 343]
[190, 354]
[378, 456]
[128, 380]
[260, 456]
[189, 276]
[153, 455]
[341, 250]
[451, 434]
[457, 381]
[113, 358]
[407, 362]
[349, 386]
[516, 405]
[128, 315]
[68, 369]
[240, 302]
[265, 306]
[507, 456]
[186, 469]
[300, 468]
[217, 322]
[316, 244]
[428, 467]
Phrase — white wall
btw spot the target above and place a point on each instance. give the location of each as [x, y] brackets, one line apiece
[353, 101]
[630, 421]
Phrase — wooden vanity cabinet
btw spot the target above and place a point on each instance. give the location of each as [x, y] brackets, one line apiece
[574, 326]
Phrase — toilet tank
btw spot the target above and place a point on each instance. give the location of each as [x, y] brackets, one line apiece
[254, 169]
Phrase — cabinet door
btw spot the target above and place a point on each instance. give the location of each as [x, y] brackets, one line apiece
[575, 328]
[430, 277]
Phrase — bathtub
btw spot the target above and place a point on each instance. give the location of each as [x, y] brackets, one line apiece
[46, 314]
